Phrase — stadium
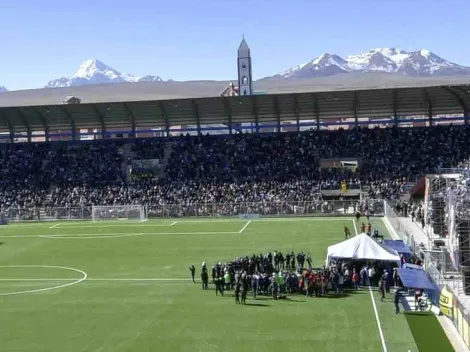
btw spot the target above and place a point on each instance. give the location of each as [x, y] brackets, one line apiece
[110, 194]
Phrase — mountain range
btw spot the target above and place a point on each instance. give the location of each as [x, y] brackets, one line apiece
[382, 60]
[96, 72]
[385, 60]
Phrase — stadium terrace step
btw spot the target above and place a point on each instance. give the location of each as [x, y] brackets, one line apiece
[166, 157]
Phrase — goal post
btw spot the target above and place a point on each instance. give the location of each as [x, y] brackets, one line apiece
[136, 213]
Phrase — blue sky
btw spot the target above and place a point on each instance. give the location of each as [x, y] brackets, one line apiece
[184, 39]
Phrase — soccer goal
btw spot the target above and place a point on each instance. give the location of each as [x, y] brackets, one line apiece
[119, 212]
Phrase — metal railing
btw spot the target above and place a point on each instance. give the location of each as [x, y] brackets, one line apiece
[438, 268]
[285, 208]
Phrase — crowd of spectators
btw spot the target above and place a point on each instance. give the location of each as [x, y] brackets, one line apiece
[226, 169]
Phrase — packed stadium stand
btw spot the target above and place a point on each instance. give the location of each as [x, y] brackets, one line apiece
[224, 169]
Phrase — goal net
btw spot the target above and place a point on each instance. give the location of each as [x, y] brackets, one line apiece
[119, 212]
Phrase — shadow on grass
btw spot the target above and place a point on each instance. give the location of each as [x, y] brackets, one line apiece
[427, 332]
[257, 304]
[289, 299]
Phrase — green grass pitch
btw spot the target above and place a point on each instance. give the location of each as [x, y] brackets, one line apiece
[121, 286]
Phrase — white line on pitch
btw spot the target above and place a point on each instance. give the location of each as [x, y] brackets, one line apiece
[100, 279]
[381, 333]
[376, 313]
[53, 226]
[244, 227]
[114, 234]
[97, 226]
[173, 223]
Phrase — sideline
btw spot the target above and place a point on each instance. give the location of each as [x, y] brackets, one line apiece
[377, 319]
[447, 325]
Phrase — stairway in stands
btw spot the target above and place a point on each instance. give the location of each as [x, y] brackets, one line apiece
[166, 157]
[127, 154]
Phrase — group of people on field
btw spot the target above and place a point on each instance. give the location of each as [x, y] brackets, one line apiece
[264, 275]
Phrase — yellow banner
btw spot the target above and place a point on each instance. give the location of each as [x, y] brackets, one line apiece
[446, 302]
[344, 187]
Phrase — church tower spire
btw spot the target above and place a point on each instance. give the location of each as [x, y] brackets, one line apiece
[245, 78]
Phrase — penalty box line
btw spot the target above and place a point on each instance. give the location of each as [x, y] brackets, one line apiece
[118, 235]
[64, 226]
[95, 279]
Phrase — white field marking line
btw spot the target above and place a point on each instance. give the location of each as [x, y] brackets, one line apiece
[97, 279]
[90, 236]
[53, 226]
[244, 227]
[377, 319]
[63, 227]
[76, 281]
[173, 223]
[116, 235]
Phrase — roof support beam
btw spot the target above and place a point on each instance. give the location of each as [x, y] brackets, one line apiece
[100, 116]
[297, 112]
[459, 100]
[277, 111]
[162, 108]
[395, 106]
[4, 116]
[228, 112]
[25, 122]
[316, 110]
[67, 114]
[254, 105]
[429, 103]
[355, 109]
[44, 123]
[131, 117]
[196, 114]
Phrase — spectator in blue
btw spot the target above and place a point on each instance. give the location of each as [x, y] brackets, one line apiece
[396, 300]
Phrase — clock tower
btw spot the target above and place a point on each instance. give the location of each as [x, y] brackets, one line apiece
[245, 80]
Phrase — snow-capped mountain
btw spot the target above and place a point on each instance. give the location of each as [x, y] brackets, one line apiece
[3, 89]
[96, 72]
[391, 60]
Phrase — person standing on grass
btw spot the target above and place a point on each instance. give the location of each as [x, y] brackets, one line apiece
[205, 279]
[363, 228]
[219, 287]
[370, 274]
[363, 274]
[369, 229]
[396, 299]
[382, 289]
[355, 279]
[237, 292]
[255, 284]
[192, 269]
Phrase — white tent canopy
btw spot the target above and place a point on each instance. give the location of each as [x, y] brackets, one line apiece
[361, 247]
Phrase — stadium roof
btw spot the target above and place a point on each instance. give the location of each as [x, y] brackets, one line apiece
[152, 105]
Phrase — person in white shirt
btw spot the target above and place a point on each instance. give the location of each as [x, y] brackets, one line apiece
[370, 274]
